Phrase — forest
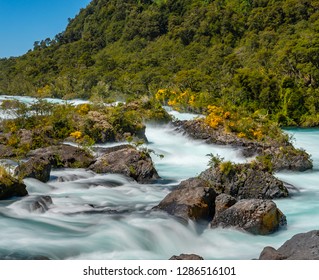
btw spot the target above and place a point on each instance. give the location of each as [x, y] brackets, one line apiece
[243, 56]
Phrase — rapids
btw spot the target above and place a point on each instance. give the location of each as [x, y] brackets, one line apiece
[108, 216]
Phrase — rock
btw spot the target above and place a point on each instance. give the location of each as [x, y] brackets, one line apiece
[127, 161]
[98, 125]
[63, 156]
[302, 246]
[289, 158]
[6, 151]
[270, 253]
[223, 201]
[243, 181]
[38, 204]
[193, 199]
[10, 187]
[255, 216]
[283, 154]
[36, 167]
[192, 257]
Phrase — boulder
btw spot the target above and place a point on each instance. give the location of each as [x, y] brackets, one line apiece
[302, 246]
[36, 167]
[10, 187]
[127, 161]
[243, 181]
[255, 216]
[191, 257]
[193, 199]
[63, 156]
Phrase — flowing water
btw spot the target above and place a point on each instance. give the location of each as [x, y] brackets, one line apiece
[110, 217]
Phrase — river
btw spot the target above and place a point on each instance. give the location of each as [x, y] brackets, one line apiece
[109, 216]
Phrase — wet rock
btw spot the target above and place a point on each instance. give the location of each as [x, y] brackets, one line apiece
[193, 199]
[10, 187]
[255, 216]
[302, 246]
[192, 257]
[242, 181]
[64, 156]
[38, 204]
[127, 161]
[36, 167]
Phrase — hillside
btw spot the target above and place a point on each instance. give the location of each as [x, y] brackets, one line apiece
[245, 54]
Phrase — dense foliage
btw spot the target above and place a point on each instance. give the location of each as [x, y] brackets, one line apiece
[245, 54]
[43, 124]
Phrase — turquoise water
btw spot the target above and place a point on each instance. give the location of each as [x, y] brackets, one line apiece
[109, 216]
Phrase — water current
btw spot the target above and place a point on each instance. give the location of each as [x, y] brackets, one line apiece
[108, 216]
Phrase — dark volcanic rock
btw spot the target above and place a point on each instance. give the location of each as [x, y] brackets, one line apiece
[223, 201]
[127, 161]
[193, 199]
[10, 187]
[63, 156]
[302, 246]
[289, 158]
[192, 257]
[36, 167]
[243, 181]
[252, 215]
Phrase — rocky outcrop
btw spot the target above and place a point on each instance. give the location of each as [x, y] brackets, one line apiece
[289, 158]
[36, 167]
[6, 151]
[191, 257]
[302, 246]
[193, 199]
[10, 187]
[127, 161]
[255, 216]
[197, 129]
[283, 155]
[244, 181]
[63, 156]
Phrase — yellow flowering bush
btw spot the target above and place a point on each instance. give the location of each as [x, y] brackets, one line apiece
[76, 134]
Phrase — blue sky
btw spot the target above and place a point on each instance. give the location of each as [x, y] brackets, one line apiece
[22, 22]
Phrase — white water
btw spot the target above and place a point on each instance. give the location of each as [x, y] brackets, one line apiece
[109, 216]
